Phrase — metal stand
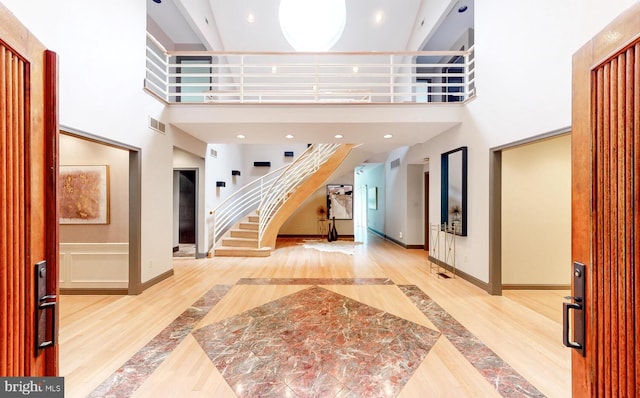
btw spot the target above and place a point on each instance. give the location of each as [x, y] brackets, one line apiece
[434, 246]
[449, 247]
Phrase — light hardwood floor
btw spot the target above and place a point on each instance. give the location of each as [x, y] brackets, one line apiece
[98, 334]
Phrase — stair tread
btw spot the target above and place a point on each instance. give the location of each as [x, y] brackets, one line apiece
[233, 251]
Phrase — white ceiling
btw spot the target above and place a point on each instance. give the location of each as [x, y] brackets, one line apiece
[361, 33]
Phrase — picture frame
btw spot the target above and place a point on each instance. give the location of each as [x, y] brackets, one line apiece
[83, 192]
[372, 198]
[340, 201]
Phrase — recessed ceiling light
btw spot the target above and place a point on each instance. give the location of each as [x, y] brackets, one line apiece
[289, 136]
[250, 18]
[355, 69]
[274, 69]
[387, 136]
[379, 17]
[338, 135]
[241, 136]
[463, 9]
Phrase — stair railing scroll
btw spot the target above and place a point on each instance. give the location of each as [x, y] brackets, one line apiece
[239, 205]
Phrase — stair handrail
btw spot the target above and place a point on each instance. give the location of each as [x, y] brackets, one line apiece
[239, 204]
[295, 174]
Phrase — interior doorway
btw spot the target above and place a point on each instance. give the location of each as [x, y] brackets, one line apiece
[185, 185]
[524, 219]
[116, 244]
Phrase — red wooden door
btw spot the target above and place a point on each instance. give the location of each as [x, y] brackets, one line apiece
[605, 207]
[28, 207]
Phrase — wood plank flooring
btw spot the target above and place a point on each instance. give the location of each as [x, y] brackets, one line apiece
[98, 334]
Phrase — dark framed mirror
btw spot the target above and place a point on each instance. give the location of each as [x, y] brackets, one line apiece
[453, 199]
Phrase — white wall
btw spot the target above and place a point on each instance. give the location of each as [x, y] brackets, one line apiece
[101, 52]
[523, 75]
[396, 195]
[536, 213]
[268, 153]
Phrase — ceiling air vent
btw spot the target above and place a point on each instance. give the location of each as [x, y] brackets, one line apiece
[395, 163]
[156, 125]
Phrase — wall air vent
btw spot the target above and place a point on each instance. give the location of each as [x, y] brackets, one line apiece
[213, 153]
[155, 124]
[395, 163]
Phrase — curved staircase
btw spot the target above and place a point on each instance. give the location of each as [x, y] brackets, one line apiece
[247, 223]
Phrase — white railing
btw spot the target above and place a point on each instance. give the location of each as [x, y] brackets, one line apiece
[331, 77]
[238, 205]
[286, 183]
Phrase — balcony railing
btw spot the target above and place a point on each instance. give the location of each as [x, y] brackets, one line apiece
[331, 77]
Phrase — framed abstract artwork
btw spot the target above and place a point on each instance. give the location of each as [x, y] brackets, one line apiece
[84, 194]
[340, 201]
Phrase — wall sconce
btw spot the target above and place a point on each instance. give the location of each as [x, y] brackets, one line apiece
[288, 154]
[221, 184]
[235, 172]
[261, 164]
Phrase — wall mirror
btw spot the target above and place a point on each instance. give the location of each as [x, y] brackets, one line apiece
[453, 200]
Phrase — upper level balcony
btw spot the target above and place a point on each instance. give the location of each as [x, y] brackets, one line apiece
[207, 77]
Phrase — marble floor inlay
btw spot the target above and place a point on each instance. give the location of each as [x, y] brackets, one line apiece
[315, 281]
[316, 343]
[502, 377]
[137, 369]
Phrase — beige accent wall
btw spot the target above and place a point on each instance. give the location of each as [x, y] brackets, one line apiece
[304, 221]
[97, 256]
[76, 151]
[536, 213]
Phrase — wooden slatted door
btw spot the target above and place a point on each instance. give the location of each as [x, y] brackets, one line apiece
[28, 207]
[606, 207]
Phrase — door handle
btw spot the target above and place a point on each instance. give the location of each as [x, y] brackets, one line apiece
[578, 307]
[566, 340]
[45, 306]
[52, 307]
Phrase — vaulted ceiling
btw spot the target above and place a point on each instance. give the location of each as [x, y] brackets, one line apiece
[252, 25]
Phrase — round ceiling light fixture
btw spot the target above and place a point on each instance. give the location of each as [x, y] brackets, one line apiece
[312, 25]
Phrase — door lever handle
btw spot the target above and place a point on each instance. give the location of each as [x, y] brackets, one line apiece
[574, 298]
[45, 309]
[565, 325]
[575, 340]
